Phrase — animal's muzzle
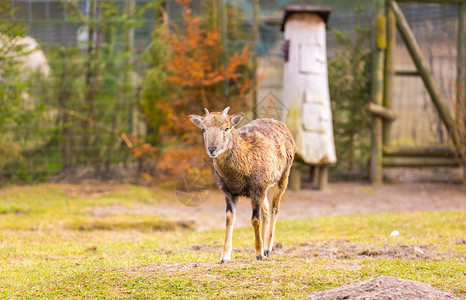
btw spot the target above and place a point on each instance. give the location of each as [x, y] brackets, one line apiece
[211, 150]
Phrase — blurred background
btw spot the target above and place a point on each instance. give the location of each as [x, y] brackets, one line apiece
[102, 89]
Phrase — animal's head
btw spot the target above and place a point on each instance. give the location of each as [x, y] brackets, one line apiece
[217, 127]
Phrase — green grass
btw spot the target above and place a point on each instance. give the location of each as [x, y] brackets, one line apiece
[52, 247]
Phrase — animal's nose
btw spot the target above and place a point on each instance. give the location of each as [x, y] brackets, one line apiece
[212, 150]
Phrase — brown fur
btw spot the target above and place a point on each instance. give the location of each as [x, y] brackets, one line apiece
[247, 162]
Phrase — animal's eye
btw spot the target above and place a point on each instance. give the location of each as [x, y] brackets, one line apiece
[203, 129]
[226, 129]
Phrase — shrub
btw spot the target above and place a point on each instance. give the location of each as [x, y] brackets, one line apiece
[185, 77]
[349, 83]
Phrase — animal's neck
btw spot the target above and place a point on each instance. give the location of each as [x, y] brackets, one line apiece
[229, 158]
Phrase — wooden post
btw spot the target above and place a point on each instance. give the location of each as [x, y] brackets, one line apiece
[313, 174]
[295, 177]
[378, 52]
[418, 161]
[422, 67]
[323, 177]
[434, 1]
[255, 37]
[461, 75]
[381, 111]
[129, 61]
[389, 75]
[461, 56]
[461, 59]
[421, 152]
[225, 44]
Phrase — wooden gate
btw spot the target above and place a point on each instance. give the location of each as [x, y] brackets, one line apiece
[388, 18]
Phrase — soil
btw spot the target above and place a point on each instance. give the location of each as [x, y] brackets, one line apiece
[338, 199]
[343, 249]
[383, 288]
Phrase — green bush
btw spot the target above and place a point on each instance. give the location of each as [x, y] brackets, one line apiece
[22, 115]
[349, 83]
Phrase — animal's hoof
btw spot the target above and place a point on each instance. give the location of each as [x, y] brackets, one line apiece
[266, 253]
[224, 261]
[259, 257]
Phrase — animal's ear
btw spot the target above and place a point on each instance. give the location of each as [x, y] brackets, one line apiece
[197, 120]
[236, 118]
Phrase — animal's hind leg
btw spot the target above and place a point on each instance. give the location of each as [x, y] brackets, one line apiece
[265, 220]
[256, 203]
[275, 208]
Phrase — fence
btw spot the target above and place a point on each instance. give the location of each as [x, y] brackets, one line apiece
[437, 66]
[60, 126]
[436, 33]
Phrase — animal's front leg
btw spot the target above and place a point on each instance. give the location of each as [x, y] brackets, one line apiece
[256, 202]
[265, 221]
[229, 222]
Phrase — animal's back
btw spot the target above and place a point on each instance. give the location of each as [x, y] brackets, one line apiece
[271, 134]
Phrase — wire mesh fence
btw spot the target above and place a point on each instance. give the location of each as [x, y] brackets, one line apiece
[80, 116]
[435, 27]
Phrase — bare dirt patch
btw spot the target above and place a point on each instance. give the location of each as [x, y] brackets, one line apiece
[88, 190]
[338, 199]
[383, 288]
[135, 209]
[167, 268]
[137, 225]
[343, 249]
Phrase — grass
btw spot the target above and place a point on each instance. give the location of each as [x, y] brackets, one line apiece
[51, 246]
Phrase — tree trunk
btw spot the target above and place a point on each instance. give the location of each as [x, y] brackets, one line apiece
[464, 176]
[351, 157]
[89, 95]
[67, 135]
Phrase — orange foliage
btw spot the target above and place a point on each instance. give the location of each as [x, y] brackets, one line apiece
[197, 71]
